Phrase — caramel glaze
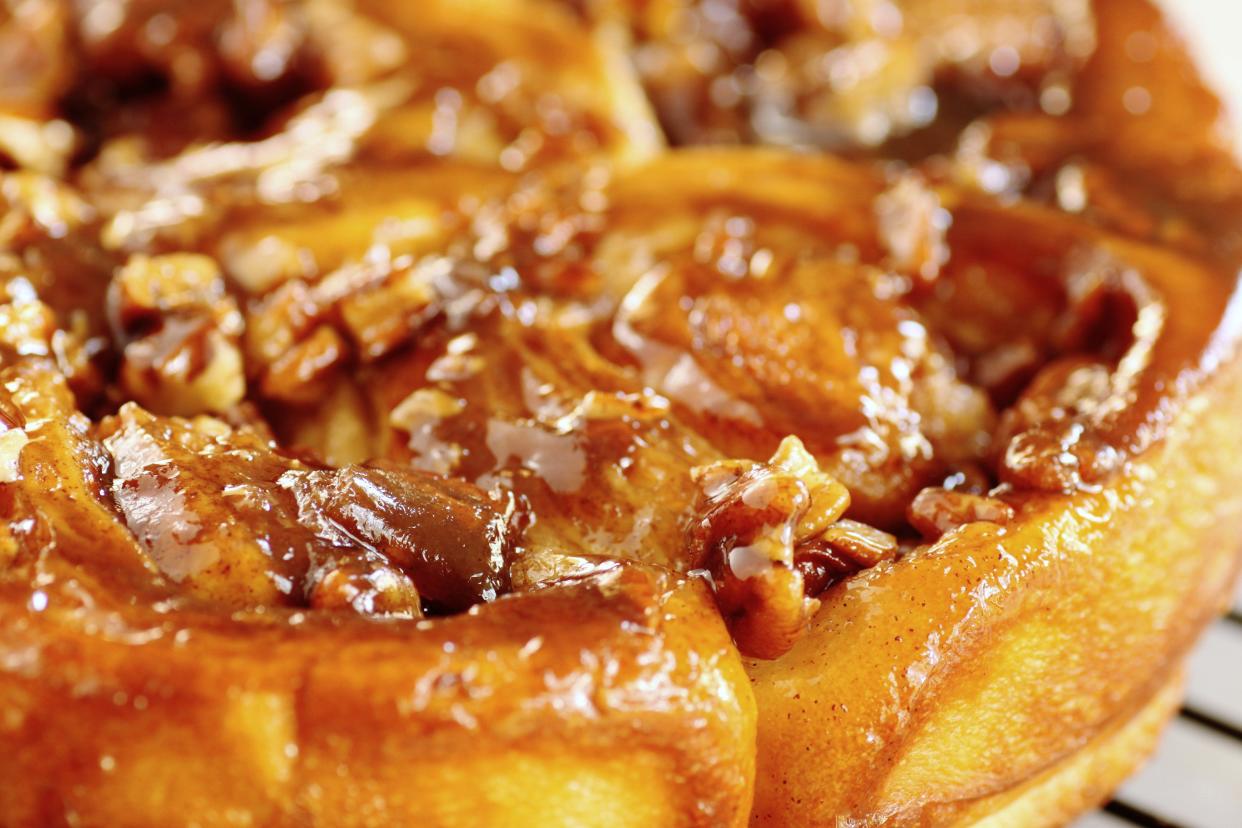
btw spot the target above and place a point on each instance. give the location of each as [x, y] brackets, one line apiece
[446, 334]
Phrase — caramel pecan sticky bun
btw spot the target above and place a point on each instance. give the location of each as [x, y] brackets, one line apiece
[603, 413]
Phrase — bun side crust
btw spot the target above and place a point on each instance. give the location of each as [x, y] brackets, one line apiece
[1083, 780]
[968, 670]
[512, 715]
[614, 698]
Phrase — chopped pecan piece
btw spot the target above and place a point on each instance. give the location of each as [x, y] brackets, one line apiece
[385, 312]
[366, 584]
[303, 373]
[1048, 436]
[936, 511]
[181, 331]
[859, 543]
[772, 537]
[845, 547]
[26, 328]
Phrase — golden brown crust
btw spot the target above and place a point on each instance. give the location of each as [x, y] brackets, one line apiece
[1084, 779]
[292, 715]
[1003, 659]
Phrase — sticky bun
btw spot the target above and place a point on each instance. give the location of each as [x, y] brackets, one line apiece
[605, 412]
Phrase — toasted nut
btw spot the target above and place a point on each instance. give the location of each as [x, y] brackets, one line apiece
[1049, 437]
[303, 373]
[182, 355]
[771, 536]
[422, 406]
[147, 288]
[183, 370]
[384, 315]
[26, 328]
[936, 511]
[277, 322]
[258, 266]
[12, 442]
[367, 586]
[453, 540]
[544, 567]
[859, 543]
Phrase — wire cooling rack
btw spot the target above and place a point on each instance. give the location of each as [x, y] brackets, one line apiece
[1195, 778]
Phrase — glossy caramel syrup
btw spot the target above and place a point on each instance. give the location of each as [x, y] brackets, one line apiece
[378, 311]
